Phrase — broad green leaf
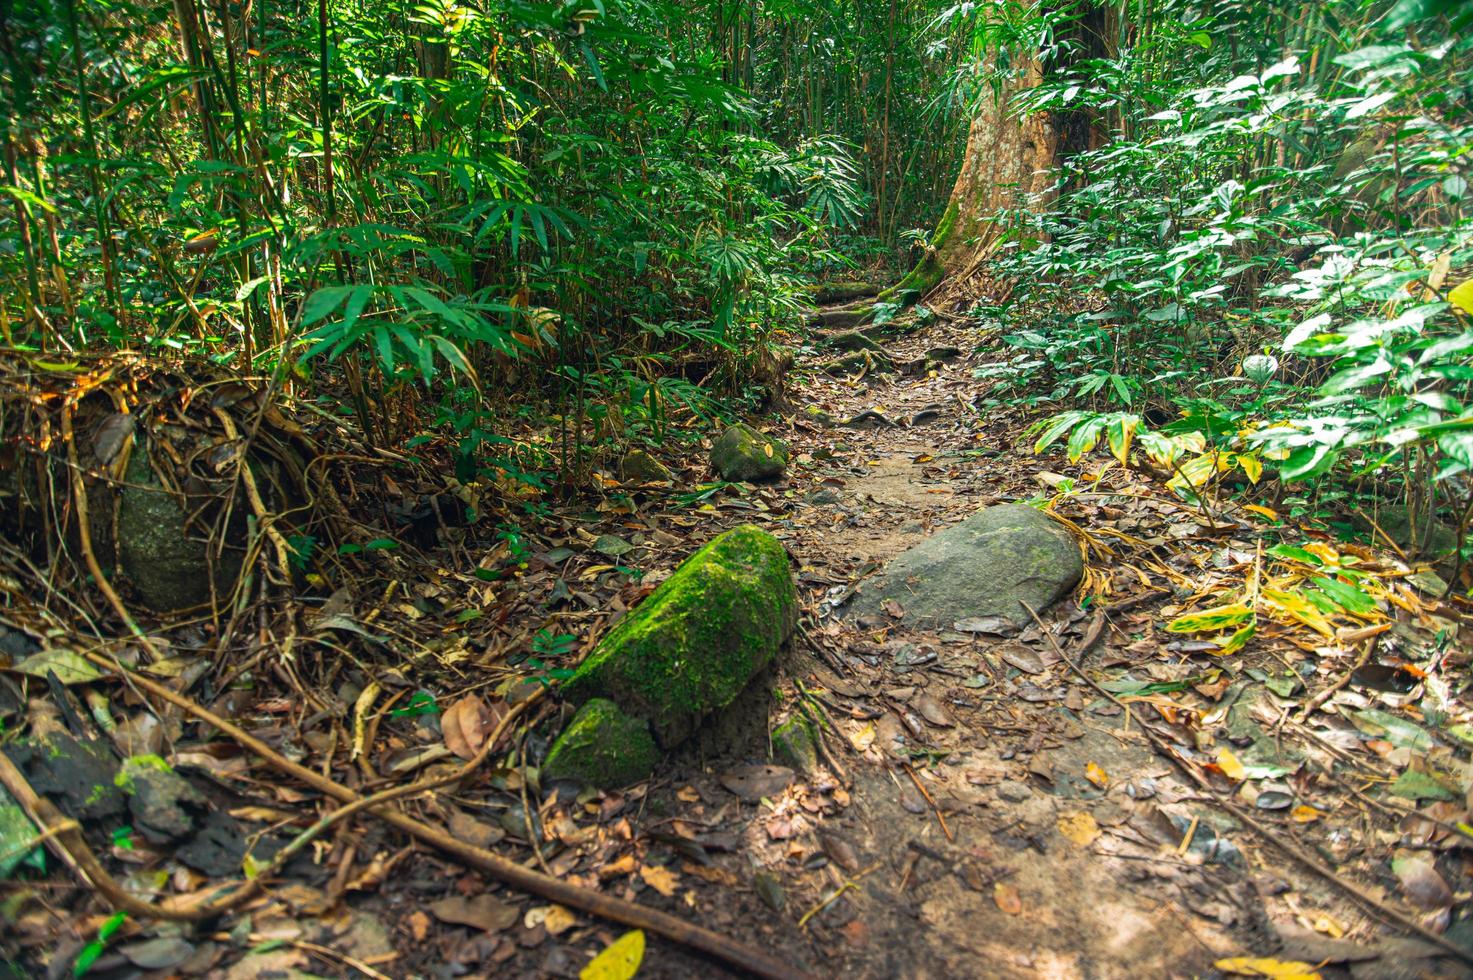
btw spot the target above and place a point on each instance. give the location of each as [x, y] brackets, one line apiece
[1216, 618]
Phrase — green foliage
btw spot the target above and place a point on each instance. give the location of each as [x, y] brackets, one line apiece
[1266, 244]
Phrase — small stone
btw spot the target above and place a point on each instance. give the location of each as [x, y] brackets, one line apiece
[794, 745]
[602, 747]
[815, 414]
[1011, 791]
[823, 498]
[741, 453]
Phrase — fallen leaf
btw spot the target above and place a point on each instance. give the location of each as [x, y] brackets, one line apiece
[1096, 775]
[1080, 828]
[70, 668]
[752, 783]
[1421, 883]
[1022, 657]
[932, 711]
[1230, 766]
[1304, 813]
[623, 865]
[619, 961]
[660, 879]
[466, 724]
[465, 827]
[1248, 966]
[485, 912]
[1007, 899]
[863, 738]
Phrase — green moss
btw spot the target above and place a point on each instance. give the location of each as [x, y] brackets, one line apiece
[603, 747]
[136, 764]
[691, 647]
[743, 453]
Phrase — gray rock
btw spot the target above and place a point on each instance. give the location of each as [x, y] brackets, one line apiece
[823, 497]
[988, 565]
[744, 454]
[1012, 791]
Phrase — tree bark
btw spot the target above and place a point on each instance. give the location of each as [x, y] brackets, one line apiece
[1008, 164]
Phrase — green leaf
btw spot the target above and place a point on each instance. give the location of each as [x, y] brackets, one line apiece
[1348, 597]
[70, 668]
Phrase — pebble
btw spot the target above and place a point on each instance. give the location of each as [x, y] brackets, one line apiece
[1013, 792]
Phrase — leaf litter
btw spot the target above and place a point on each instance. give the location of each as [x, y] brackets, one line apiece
[1002, 790]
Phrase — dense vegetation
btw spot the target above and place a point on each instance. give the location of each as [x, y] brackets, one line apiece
[1239, 245]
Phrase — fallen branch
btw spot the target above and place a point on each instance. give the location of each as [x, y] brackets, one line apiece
[1357, 893]
[509, 872]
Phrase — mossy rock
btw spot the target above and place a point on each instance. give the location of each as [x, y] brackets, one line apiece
[168, 567]
[743, 453]
[639, 466]
[691, 647]
[795, 744]
[602, 747]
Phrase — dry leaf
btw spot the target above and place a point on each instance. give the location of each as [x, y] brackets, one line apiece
[660, 879]
[1080, 828]
[1007, 899]
[1304, 813]
[863, 738]
[1230, 766]
[622, 865]
[932, 711]
[1097, 775]
[485, 912]
[466, 724]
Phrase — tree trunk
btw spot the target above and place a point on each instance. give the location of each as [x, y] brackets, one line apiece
[1008, 164]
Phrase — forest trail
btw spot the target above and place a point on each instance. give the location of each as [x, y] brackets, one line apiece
[1048, 838]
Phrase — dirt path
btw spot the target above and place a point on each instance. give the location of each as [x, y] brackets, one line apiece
[1001, 819]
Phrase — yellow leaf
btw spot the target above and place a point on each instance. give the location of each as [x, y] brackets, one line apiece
[1252, 466]
[1080, 828]
[619, 961]
[1304, 813]
[1230, 766]
[1216, 618]
[1462, 296]
[1249, 966]
[658, 878]
[1299, 609]
[1097, 775]
[1268, 512]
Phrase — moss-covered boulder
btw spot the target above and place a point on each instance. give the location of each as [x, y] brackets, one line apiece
[639, 466]
[691, 647]
[744, 454]
[603, 747]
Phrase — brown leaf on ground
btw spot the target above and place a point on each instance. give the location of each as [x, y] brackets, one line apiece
[485, 912]
[467, 724]
[1007, 898]
[933, 711]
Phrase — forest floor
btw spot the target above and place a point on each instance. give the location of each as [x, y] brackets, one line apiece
[983, 807]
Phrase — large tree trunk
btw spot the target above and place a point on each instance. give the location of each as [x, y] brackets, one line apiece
[1008, 165]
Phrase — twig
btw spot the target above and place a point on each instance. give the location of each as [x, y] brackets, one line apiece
[1289, 847]
[939, 818]
[84, 530]
[523, 879]
[1314, 703]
